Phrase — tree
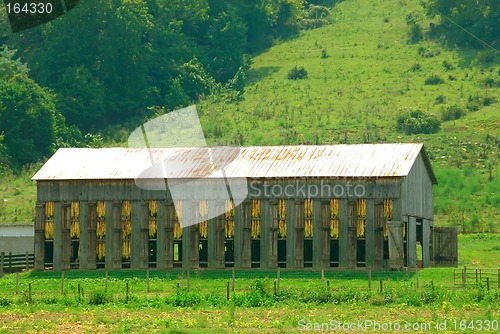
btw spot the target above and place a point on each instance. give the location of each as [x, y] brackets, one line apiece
[27, 119]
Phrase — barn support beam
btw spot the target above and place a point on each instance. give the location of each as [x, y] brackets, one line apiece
[116, 243]
[39, 236]
[212, 236]
[317, 238]
[194, 262]
[370, 233]
[161, 242]
[343, 233]
[426, 237]
[265, 224]
[139, 241]
[169, 233]
[353, 238]
[186, 235]
[246, 251]
[273, 235]
[411, 242]
[299, 233]
[58, 217]
[92, 238]
[290, 233]
[84, 235]
[219, 238]
[238, 235]
[108, 257]
[378, 234]
[325, 233]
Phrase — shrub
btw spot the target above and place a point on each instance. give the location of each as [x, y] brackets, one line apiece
[415, 67]
[440, 99]
[297, 73]
[448, 65]
[434, 80]
[486, 56]
[451, 113]
[490, 82]
[98, 297]
[417, 121]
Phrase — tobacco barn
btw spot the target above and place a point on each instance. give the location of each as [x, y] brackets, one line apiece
[339, 206]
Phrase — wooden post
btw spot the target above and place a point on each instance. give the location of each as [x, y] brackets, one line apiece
[161, 244]
[488, 283]
[353, 238]
[290, 233]
[325, 233]
[476, 278]
[27, 261]
[322, 276]
[246, 248]
[275, 288]
[58, 235]
[299, 234]
[84, 235]
[227, 291]
[116, 237]
[272, 232]
[39, 261]
[381, 286]
[238, 235]
[126, 291]
[265, 225]
[65, 236]
[328, 285]
[10, 262]
[79, 291]
[370, 233]
[62, 282]
[17, 283]
[411, 242]
[317, 221]
[343, 233]
[92, 238]
[169, 233]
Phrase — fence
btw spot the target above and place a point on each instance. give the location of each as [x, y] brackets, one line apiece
[10, 263]
[466, 277]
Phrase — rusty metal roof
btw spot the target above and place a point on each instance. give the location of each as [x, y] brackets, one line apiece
[365, 160]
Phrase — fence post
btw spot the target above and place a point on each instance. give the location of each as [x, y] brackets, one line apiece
[322, 276]
[476, 277]
[27, 261]
[17, 283]
[227, 291]
[381, 286]
[2, 259]
[10, 262]
[488, 283]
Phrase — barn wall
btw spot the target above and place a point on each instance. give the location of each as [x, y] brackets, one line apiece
[416, 192]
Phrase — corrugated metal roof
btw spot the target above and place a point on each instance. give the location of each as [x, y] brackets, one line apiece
[366, 160]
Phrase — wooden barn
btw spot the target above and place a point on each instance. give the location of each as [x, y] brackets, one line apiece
[340, 206]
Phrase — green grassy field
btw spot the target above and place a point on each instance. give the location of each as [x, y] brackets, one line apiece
[164, 303]
[362, 74]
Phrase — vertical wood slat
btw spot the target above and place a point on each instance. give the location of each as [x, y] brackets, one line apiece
[238, 235]
[66, 236]
[396, 245]
[316, 242]
[92, 237]
[212, 235]
[58, 235]
[352, 244]
[84, 235]
[343, 233]
[426, 236]
[379, 234]
[272, 232]
[195, 236]
[161, 242]
[299, 233]
[169, 233]
[411, 242]
[116, 243]
[370, 233]
[144, 234]
[265, 224]
[40, 236]
[246, 248]
[186, 235]
[108, 238]
[290, 233]
[325, 233]
[219, 237]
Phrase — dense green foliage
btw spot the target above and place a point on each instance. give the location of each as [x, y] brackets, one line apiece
[467, 21]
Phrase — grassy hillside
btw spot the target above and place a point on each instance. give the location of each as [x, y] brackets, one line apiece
[362, 74]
